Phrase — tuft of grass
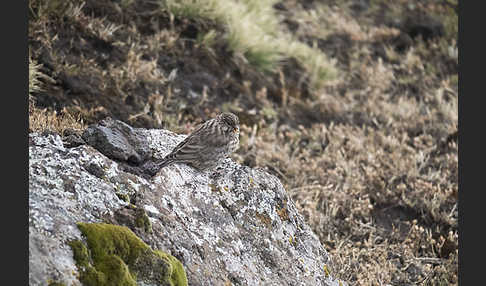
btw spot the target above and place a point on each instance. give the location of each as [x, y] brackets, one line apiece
[35, 76]
[254, 34]
[35, 85]
[208, 39]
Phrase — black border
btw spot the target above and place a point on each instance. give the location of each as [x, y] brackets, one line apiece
[14, 214]
[471, 89]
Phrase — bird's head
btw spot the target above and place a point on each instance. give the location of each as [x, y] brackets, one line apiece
[230, 120]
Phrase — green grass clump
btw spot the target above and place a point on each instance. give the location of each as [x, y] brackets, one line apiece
[116, 256]
[34, 76]
[253, 33]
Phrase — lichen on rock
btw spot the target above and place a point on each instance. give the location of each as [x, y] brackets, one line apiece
[233, 224]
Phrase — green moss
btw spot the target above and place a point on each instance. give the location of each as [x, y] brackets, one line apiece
[116, 256]
[142, 220]
[178, 274]
[107, 270]
[80, 253]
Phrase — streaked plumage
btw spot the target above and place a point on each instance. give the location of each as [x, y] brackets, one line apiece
[208, 145]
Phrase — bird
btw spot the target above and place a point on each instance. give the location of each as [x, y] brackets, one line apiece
[207, 146]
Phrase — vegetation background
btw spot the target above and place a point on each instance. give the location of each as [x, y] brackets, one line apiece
[353, 104]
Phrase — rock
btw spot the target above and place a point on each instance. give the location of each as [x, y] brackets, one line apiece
[117, 140]
[231, 226]
[360, 6]
[71, 139]
[424, 25]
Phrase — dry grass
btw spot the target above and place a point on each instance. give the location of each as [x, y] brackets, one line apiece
[367, 175]
[378, 179]
[383, 203]
[42, 120]
[35, 76]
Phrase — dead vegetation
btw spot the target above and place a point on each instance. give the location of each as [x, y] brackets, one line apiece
[369, 155]
[44, 119]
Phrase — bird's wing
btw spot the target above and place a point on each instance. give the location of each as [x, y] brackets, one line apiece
[190, 146]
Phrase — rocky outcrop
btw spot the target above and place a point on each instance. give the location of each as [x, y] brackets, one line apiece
[231, 226]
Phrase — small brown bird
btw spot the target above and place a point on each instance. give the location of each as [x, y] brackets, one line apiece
[208, 145]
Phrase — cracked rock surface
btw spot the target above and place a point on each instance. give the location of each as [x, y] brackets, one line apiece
[231, 226]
